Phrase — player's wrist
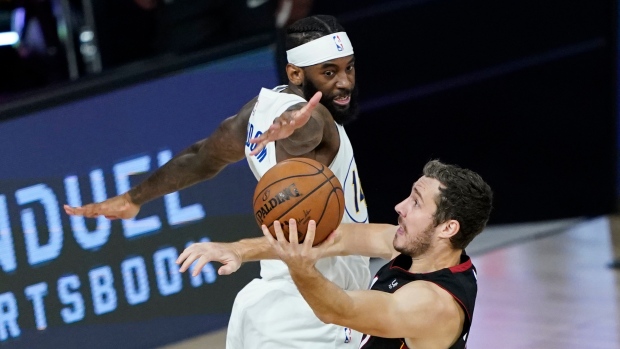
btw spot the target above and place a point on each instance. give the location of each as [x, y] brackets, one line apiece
[132, 196]
[237, 251]
[249, 250]
[304, 271]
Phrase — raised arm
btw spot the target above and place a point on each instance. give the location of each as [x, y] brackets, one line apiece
[199, 162]
[372, 240]
[421, 312]
[299, 130]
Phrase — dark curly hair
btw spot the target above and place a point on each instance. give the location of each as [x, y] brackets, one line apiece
[311, 28]
[464, 197]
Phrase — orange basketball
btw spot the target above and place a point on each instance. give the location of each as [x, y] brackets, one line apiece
[303, 189]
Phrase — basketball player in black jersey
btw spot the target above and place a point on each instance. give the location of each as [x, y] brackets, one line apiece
[424, 297]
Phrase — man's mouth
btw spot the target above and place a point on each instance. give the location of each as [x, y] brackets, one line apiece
[400, 230]
[343, 100]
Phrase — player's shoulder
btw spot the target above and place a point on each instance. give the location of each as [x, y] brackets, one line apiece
[245, 111]
[428, 296]
[280, 88]
[279, 91]
[425, 292]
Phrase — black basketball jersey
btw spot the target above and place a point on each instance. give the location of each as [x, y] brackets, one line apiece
[459, 281]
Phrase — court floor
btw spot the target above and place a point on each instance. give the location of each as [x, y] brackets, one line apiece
[543, 285]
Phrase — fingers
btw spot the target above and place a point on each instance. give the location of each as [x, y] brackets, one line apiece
[76, 211]
[267, 234]
[118, 207]
[275, 127]
[304, 114]
[187, 262]
[268, 136]
[293, 237]
[285, 124]
[88, 211]
[258, 147]
[264, 139]
[202, 261]
[183, 255]
[314, 101]
[279, 239]
[278, 229]
[187, 257]
[229, 268]
[198, 255]
[309, 239]
[70, 210]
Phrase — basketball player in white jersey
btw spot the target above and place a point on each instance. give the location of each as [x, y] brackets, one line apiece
[301, 119]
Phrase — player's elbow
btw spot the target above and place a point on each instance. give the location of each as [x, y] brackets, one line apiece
[333, 316]
[326, 317]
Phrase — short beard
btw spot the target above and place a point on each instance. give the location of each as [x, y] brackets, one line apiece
[418, 246]
[341, 116]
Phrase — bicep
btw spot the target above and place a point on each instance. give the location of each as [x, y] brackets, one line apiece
[227, 143]
[406, 313]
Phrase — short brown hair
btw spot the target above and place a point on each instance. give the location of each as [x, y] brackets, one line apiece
[464, 196]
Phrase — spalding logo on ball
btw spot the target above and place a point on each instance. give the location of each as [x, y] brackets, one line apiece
[303, 189]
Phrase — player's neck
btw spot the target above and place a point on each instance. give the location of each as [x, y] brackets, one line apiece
[294, 89]
[435, 259]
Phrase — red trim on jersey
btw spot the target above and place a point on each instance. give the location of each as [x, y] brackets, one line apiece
[461, 267]
[392, 266]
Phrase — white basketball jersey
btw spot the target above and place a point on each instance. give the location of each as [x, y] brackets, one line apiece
[349, 272]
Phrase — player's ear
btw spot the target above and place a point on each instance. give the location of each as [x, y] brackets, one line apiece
[295, 74]
[450, 228]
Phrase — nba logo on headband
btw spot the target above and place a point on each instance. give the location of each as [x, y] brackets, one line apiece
[338, 42]
[323, 49]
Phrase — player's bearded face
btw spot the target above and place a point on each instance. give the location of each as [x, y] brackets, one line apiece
[414, 244]
[342, 114]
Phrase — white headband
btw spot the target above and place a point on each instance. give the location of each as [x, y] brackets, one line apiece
[323, 49]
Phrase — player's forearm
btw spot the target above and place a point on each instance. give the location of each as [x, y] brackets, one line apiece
[254, 249]
[180, 172]
[371, 240]
[201, 161]
[330, 303]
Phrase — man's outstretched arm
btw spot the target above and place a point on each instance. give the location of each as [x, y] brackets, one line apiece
[201, 161]
[372, 240]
